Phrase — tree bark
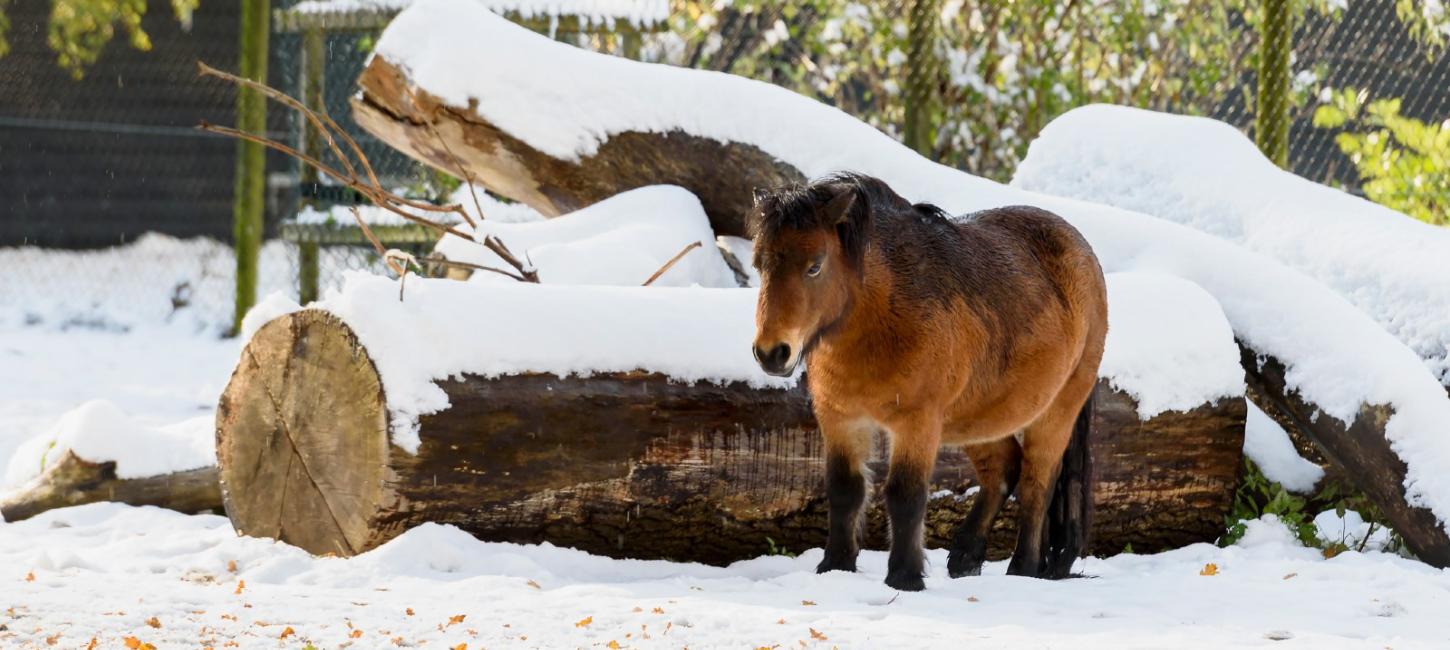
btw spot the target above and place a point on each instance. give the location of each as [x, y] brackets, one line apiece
[630, 464]
[74, 481]
[411, 120]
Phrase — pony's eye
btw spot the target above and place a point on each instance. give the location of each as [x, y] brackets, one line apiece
[814, 269]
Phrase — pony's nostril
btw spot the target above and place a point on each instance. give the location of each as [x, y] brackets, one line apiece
[780, 354]
[755, 350]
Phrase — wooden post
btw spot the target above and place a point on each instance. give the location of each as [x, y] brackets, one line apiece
[249, 195]
[923, 74]
[314, 58]
[1271, 112]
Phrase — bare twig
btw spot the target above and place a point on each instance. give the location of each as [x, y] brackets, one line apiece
[371, 188]
[671, 263]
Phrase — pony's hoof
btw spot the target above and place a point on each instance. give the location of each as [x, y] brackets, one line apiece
[1025, 569]
[963, 568]
[836, 564]
[905, 582]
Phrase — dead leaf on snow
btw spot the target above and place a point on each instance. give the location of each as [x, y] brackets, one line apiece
[816, 635]
[1209, 569]
[455, 620]
[808, 603]
[585, 622]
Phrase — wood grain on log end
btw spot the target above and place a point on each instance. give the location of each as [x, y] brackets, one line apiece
[411, 120]
[302, 438]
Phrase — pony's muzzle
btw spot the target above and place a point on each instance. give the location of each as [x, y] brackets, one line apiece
[775, 361]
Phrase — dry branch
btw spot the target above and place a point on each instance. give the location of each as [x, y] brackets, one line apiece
[670, 264]
[369, 187]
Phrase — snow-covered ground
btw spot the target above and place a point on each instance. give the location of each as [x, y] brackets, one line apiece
[109, 571]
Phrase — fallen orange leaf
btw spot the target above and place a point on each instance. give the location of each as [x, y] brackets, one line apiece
[154, 622]
[461, 646]
[241, 584]
[455, 620]
[972, 599]
[585, 622]
[92, 644]
[410, 611]
[52, 640]
[612, 645]
[808, 603]
[30, 577]
[1290, 576]
[1209, 569]
[780, 622]
[287, 632]
[232, 566]
[356, 634]
[534, 585]
[816, 635]
[659, 610]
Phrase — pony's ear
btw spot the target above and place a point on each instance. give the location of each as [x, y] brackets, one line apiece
[838, 209]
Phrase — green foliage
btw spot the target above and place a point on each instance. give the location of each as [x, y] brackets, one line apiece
[772, 549]
[1257, 496]
[1403, 163]
[79, 30]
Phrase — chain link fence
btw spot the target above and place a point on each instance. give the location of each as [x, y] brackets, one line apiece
[1367, 99]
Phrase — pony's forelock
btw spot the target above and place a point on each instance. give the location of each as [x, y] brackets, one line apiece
[799, 207]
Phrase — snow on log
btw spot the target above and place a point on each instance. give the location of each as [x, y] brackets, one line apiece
[537, 120]
[1383, 261]
[626, 464]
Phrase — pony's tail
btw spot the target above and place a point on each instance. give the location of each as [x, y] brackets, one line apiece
[1069, 517]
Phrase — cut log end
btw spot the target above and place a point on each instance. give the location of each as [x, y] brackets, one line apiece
[302, 438]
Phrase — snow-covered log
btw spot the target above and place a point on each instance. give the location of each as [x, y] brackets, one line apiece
[627, 464]
[73, 481]
[560, 108]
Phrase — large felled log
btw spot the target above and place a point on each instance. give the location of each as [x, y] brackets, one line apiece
[74, 481]
[628, 464]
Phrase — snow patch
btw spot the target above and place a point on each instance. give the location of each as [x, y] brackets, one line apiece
[1269, 446]
[1207, 175]
[1169, 345]
[99, 431]
[621, 240]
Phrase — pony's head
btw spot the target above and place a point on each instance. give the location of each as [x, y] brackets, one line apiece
[810, 242]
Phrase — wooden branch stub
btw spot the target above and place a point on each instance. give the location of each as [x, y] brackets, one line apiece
[72, 481]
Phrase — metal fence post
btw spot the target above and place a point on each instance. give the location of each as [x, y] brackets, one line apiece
[923, 74]
[314, 58]
[1271, 110]
[249, 196]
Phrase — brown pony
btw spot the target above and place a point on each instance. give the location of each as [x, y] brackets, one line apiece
[984, 331]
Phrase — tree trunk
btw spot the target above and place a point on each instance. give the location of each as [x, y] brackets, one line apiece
[1358, 450]
[629, 464]
[73, 482]
[410, 119]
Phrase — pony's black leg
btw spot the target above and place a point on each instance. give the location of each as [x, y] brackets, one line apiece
[914, 446]
[1042, 446]
[997, 465]
[846, 494]
[906, 507]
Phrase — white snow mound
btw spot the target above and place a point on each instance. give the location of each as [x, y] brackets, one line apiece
[621, 241]
[1207, 175]
[99, 431]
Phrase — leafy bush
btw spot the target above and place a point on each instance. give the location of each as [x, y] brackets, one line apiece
[1257, 496]
[1404, 163]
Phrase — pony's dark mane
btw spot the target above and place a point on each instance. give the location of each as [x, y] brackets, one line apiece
[798, 207]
